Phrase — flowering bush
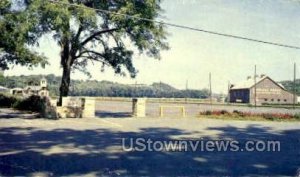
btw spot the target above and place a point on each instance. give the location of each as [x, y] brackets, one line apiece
[277, 116]
[236, 113]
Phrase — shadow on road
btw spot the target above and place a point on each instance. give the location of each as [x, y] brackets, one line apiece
[106, 114]
[25, 151]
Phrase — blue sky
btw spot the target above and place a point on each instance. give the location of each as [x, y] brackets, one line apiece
[193, 54]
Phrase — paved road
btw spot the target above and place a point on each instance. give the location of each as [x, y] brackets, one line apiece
[124, 109]
[80, 147]
[11, 113]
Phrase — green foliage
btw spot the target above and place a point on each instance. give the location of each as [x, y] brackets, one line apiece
[207, 113]
[224, 112]
[16, 36]
[33, 103]
[297, 116]
[289, 85]
[7, 101]
[85, 30]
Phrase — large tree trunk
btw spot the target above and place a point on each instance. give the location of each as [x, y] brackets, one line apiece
[66, 62]
[65, 83]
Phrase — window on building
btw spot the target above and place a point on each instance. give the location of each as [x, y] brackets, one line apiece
[266, 99]
[285, 100]
[272, 99]
[278, 100]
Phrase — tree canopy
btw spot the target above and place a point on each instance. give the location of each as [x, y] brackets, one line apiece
[84, 35]
[16, 37]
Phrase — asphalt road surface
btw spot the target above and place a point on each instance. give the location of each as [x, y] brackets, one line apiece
[93, 147]
[124, 109]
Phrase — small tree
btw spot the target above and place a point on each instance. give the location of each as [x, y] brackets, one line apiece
[87, 35]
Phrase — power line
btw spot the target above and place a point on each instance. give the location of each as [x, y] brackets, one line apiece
[181, 26]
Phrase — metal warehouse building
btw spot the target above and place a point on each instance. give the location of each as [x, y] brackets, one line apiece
[267, 91]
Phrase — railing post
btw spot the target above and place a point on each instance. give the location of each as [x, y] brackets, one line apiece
[161, 113]
[183, 111]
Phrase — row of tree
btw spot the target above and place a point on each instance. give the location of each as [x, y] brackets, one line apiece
[289, 85]
[103, 88]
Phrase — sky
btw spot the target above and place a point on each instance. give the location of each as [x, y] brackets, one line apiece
[193, 55]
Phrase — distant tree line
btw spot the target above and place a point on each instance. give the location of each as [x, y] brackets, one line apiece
[289, 85]
[103, 88]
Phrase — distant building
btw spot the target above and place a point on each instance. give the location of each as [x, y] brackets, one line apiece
[267, 91]
[16, 91]
[29, 90]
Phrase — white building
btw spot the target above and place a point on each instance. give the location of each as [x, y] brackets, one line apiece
[40, 90]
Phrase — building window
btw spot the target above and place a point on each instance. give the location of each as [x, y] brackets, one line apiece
[278, 100]
[284, 100]
[266, 99]
[272, 99]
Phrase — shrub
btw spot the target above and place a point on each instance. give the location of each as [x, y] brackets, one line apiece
[207, 113]
[276, 116]
[297, 116]
[268, 116]
[243, 114]
[236, 112]
[224, 112]
[7, 101]
[217, 113]
[35, 103]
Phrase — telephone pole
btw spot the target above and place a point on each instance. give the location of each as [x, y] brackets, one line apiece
[187, 84]
[210, 89]
[255, 86]
[294, 88]
[228, 93]
[186, 89]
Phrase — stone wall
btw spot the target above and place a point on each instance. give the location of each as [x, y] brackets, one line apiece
[76, 107]
[139, 107]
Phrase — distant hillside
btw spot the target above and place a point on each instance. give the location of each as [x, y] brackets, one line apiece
[289, 85]
[103, 88]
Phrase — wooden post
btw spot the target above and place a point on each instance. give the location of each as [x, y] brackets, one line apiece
[183, 111]
[161, 113]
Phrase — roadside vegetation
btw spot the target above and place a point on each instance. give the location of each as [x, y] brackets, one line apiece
[239, 115]
[33, 103]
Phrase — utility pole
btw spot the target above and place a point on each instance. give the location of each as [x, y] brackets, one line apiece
[187, 85]
[228, 93]
[210, 89]
[186, 89]
[294, 88]
[255, 86]
[160, 90]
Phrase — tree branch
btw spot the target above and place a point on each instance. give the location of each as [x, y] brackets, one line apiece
[80, 29]
[95, 59]
[97, 34]
[88, 52]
